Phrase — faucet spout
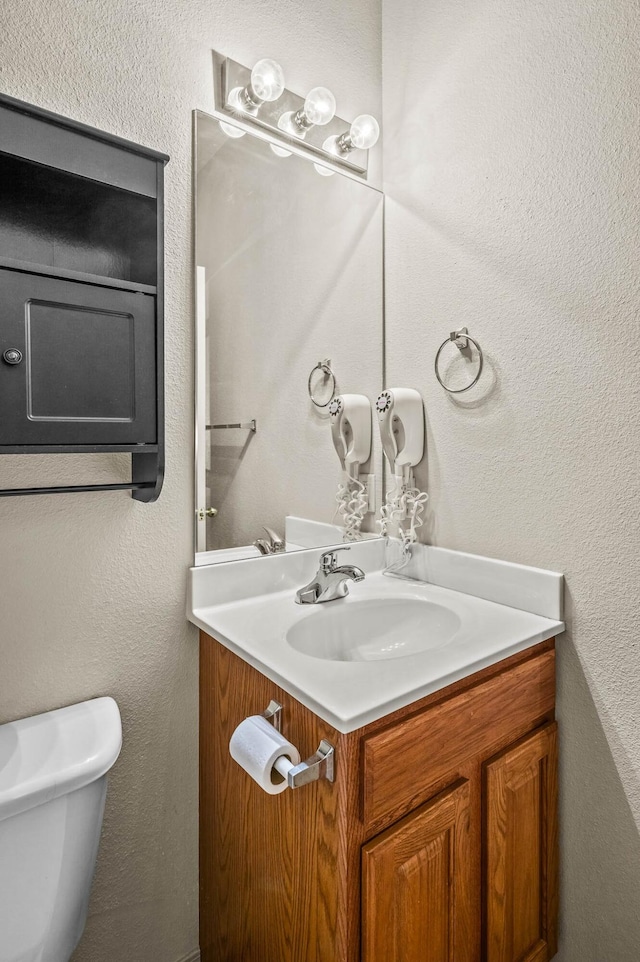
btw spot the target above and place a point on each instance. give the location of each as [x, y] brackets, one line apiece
[351, 572]
[330, 581]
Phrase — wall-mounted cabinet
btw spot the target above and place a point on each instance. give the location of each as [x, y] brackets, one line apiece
[81, 295]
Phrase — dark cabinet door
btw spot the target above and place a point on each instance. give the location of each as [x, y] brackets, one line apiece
[77, 363]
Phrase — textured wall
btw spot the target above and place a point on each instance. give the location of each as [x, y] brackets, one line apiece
[511, 168]
[92, 598]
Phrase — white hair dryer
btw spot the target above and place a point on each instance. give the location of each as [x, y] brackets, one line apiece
[401, 417]
[351, 433]
[351, 430]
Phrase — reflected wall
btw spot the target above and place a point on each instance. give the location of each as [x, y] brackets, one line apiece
[290, 273]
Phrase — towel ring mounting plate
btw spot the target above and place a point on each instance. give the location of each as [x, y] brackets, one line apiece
[456, 337]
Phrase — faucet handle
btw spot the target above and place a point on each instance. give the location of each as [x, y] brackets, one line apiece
[329, 559]
[277, 543]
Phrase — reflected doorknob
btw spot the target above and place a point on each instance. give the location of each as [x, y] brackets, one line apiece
[207, 513]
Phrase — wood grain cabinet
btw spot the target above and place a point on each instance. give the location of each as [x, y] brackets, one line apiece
[520, 851]
[437, 842]
[416, 885]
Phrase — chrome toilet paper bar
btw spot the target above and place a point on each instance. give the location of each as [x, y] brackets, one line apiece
[319, 765]
[273, 714]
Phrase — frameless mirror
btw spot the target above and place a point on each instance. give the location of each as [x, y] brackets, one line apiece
[288, 275]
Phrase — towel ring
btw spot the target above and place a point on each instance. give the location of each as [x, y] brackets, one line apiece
[326, 369]
[455, 336]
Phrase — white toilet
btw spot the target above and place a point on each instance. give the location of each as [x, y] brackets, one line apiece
[52, 791]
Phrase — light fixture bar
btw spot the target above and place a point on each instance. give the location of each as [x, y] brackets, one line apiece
[229, 75]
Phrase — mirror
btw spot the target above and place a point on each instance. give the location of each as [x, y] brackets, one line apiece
[288, 274]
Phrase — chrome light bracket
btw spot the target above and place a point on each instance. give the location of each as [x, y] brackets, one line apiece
[228, 74]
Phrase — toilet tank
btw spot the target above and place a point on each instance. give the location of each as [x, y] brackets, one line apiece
[52, 792]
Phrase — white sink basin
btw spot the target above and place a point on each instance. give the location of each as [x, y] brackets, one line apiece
[373, 630]
[390, 641]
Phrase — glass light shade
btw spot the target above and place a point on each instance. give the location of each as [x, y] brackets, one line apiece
[287, 123]
[320, 106]
[364, 132]
[324, 171]
[280, 151]
[230, 130]
[267, 80]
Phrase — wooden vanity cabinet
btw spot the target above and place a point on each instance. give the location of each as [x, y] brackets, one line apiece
[437, 842]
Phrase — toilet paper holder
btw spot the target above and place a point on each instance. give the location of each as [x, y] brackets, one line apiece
[273, 713]
[319, 765]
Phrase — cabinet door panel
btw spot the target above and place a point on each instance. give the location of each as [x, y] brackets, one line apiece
[416, 885]
[89, 363]
[521, 857]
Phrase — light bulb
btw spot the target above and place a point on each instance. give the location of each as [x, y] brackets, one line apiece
[362, 135]
[280, 151]
[230, 130]
[364, 132]
[324, 171]
[319, 106]
[265, 86]
[267, 80]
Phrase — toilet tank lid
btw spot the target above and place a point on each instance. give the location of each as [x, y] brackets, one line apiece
[44, 756]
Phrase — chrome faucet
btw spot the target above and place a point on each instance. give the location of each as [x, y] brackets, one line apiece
[330, 581]
[274, 545]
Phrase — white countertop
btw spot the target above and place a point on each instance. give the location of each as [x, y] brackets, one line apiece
[350, 694]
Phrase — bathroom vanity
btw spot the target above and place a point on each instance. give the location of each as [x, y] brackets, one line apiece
[437, 841]
[425, 702]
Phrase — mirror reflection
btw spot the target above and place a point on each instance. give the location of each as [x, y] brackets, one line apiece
[289, 325]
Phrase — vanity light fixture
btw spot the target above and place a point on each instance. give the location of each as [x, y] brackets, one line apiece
[362, 135]
[265, 86]
[308, 125]
[319, 109]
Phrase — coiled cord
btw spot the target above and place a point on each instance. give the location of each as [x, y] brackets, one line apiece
[403, 511]
[352, 505]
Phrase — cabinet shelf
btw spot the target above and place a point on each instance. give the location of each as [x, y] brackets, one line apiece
[79, 449]
[100, 280]
[61, 220]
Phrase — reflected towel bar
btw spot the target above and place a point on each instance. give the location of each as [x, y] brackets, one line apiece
[243, 425]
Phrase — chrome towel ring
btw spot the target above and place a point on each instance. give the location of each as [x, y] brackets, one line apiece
[461, 340]
[325, 367]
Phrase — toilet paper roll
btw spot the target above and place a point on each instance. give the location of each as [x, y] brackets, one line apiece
[256, 746]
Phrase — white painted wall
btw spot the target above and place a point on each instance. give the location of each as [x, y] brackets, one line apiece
[92, 586]
[511, 168]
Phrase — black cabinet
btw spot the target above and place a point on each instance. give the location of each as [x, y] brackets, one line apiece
[81, 294]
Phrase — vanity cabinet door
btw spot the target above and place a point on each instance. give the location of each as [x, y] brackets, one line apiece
[521, 850]
[416, 885]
